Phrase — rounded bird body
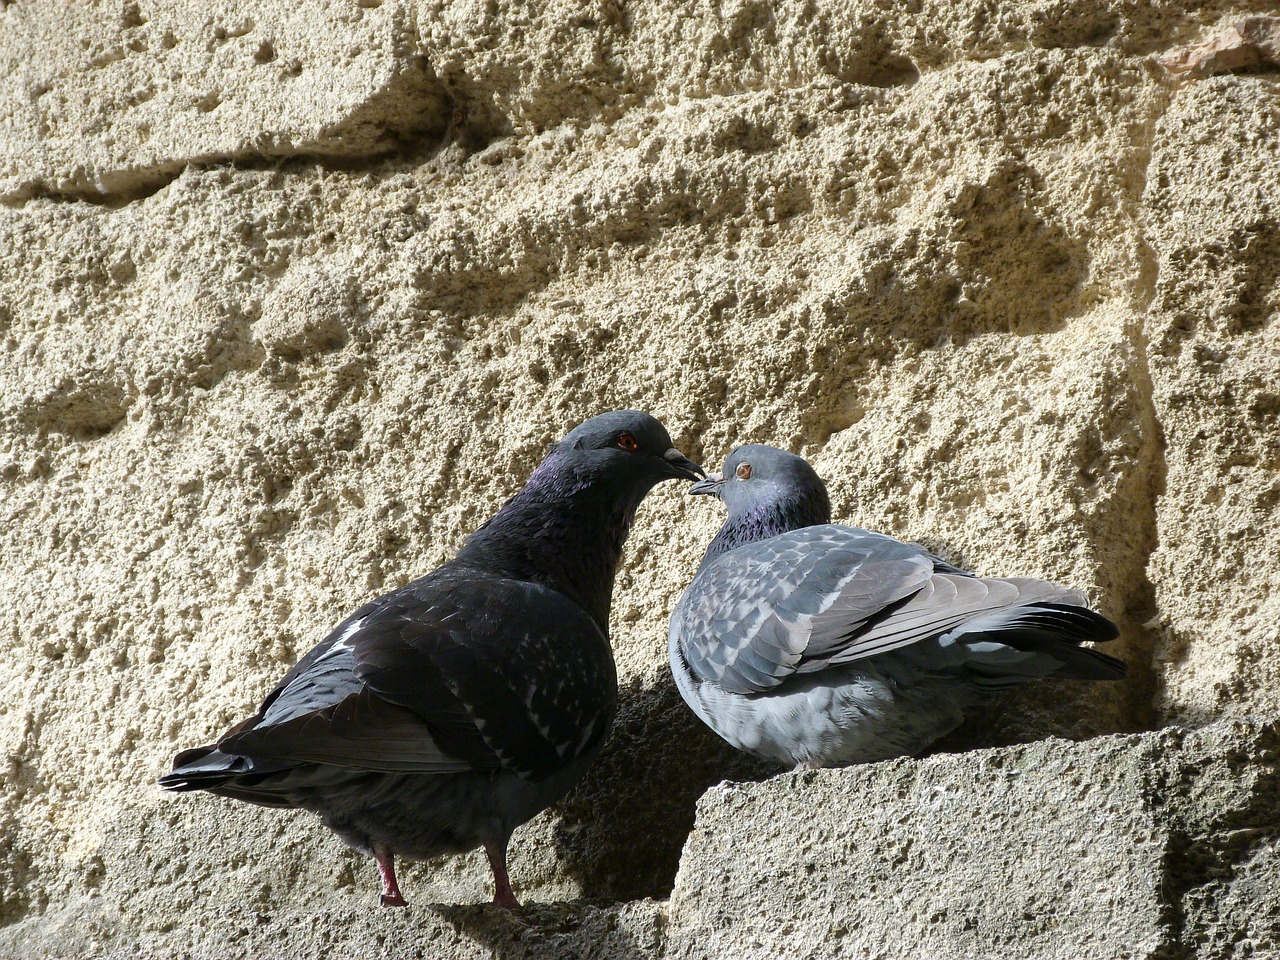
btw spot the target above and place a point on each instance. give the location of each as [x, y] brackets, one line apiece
[813, 644]
[843, 716]
[441, 716]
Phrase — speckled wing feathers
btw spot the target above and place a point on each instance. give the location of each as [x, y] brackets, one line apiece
[446, 674]
[826, 595]
[769, 609]
[528, 676]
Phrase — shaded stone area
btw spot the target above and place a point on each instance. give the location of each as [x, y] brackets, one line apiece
[1159, 845]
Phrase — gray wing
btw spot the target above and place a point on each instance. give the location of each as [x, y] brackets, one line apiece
[811, 598]
[750, 619]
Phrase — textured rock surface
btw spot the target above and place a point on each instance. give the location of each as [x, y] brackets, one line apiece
[1157, 845]
[293, 295]
[119, 98]
[348, 928]
[1215, 365]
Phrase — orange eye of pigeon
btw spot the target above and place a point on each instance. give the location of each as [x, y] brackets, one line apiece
[744, 471]
[627, 442]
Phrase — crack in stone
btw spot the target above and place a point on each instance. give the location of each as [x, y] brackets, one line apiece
[442, 119]
[1141, 608]
[160, 176]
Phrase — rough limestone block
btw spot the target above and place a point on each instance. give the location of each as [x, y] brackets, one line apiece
[575, 931]
[1153, 846]
[1214, 329]
[1146, 846]
[102, 99]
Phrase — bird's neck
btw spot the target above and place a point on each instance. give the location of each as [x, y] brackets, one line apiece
[765, 520]
[562, 531]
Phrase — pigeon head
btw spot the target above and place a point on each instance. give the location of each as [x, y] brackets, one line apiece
[767, 492]
[758, 477]
[625, 446]
[565, 529]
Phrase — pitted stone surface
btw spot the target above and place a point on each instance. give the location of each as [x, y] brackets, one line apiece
[1141, 846]
[348, 267]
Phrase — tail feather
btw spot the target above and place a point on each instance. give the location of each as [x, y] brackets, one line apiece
[227, 775]
[1043, 639]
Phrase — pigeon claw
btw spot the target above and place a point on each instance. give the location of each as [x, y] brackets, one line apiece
[392, 900]
[506, 900]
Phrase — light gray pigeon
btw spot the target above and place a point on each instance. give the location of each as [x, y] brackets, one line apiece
[818, 645]
[441, 716]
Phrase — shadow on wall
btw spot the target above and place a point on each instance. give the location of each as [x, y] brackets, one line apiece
[1019, 268]
[622, 829]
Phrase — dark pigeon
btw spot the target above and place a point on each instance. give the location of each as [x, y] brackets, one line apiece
[441, 716]
[818, 645]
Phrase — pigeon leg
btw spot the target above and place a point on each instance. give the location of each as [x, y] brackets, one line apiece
[391, 896]
[503, 895]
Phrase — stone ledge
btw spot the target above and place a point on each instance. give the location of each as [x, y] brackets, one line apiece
[1156, 845]
[349, 927]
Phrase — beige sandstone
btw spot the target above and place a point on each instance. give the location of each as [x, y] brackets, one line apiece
[1164, 844]
[295, 294]
[1158, 845]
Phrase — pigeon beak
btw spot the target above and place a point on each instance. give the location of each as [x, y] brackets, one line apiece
[682, 466]
[710, 486]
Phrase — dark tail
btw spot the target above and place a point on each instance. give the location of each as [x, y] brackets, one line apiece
[227, 775]
[1040, 640]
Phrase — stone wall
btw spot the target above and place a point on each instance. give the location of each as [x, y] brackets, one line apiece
[293, 295]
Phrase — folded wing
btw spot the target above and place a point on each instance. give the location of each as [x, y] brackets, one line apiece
[827, 595]
[433, 678]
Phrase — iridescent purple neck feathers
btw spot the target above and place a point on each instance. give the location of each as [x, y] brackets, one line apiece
[564, 530]
[760, 519]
